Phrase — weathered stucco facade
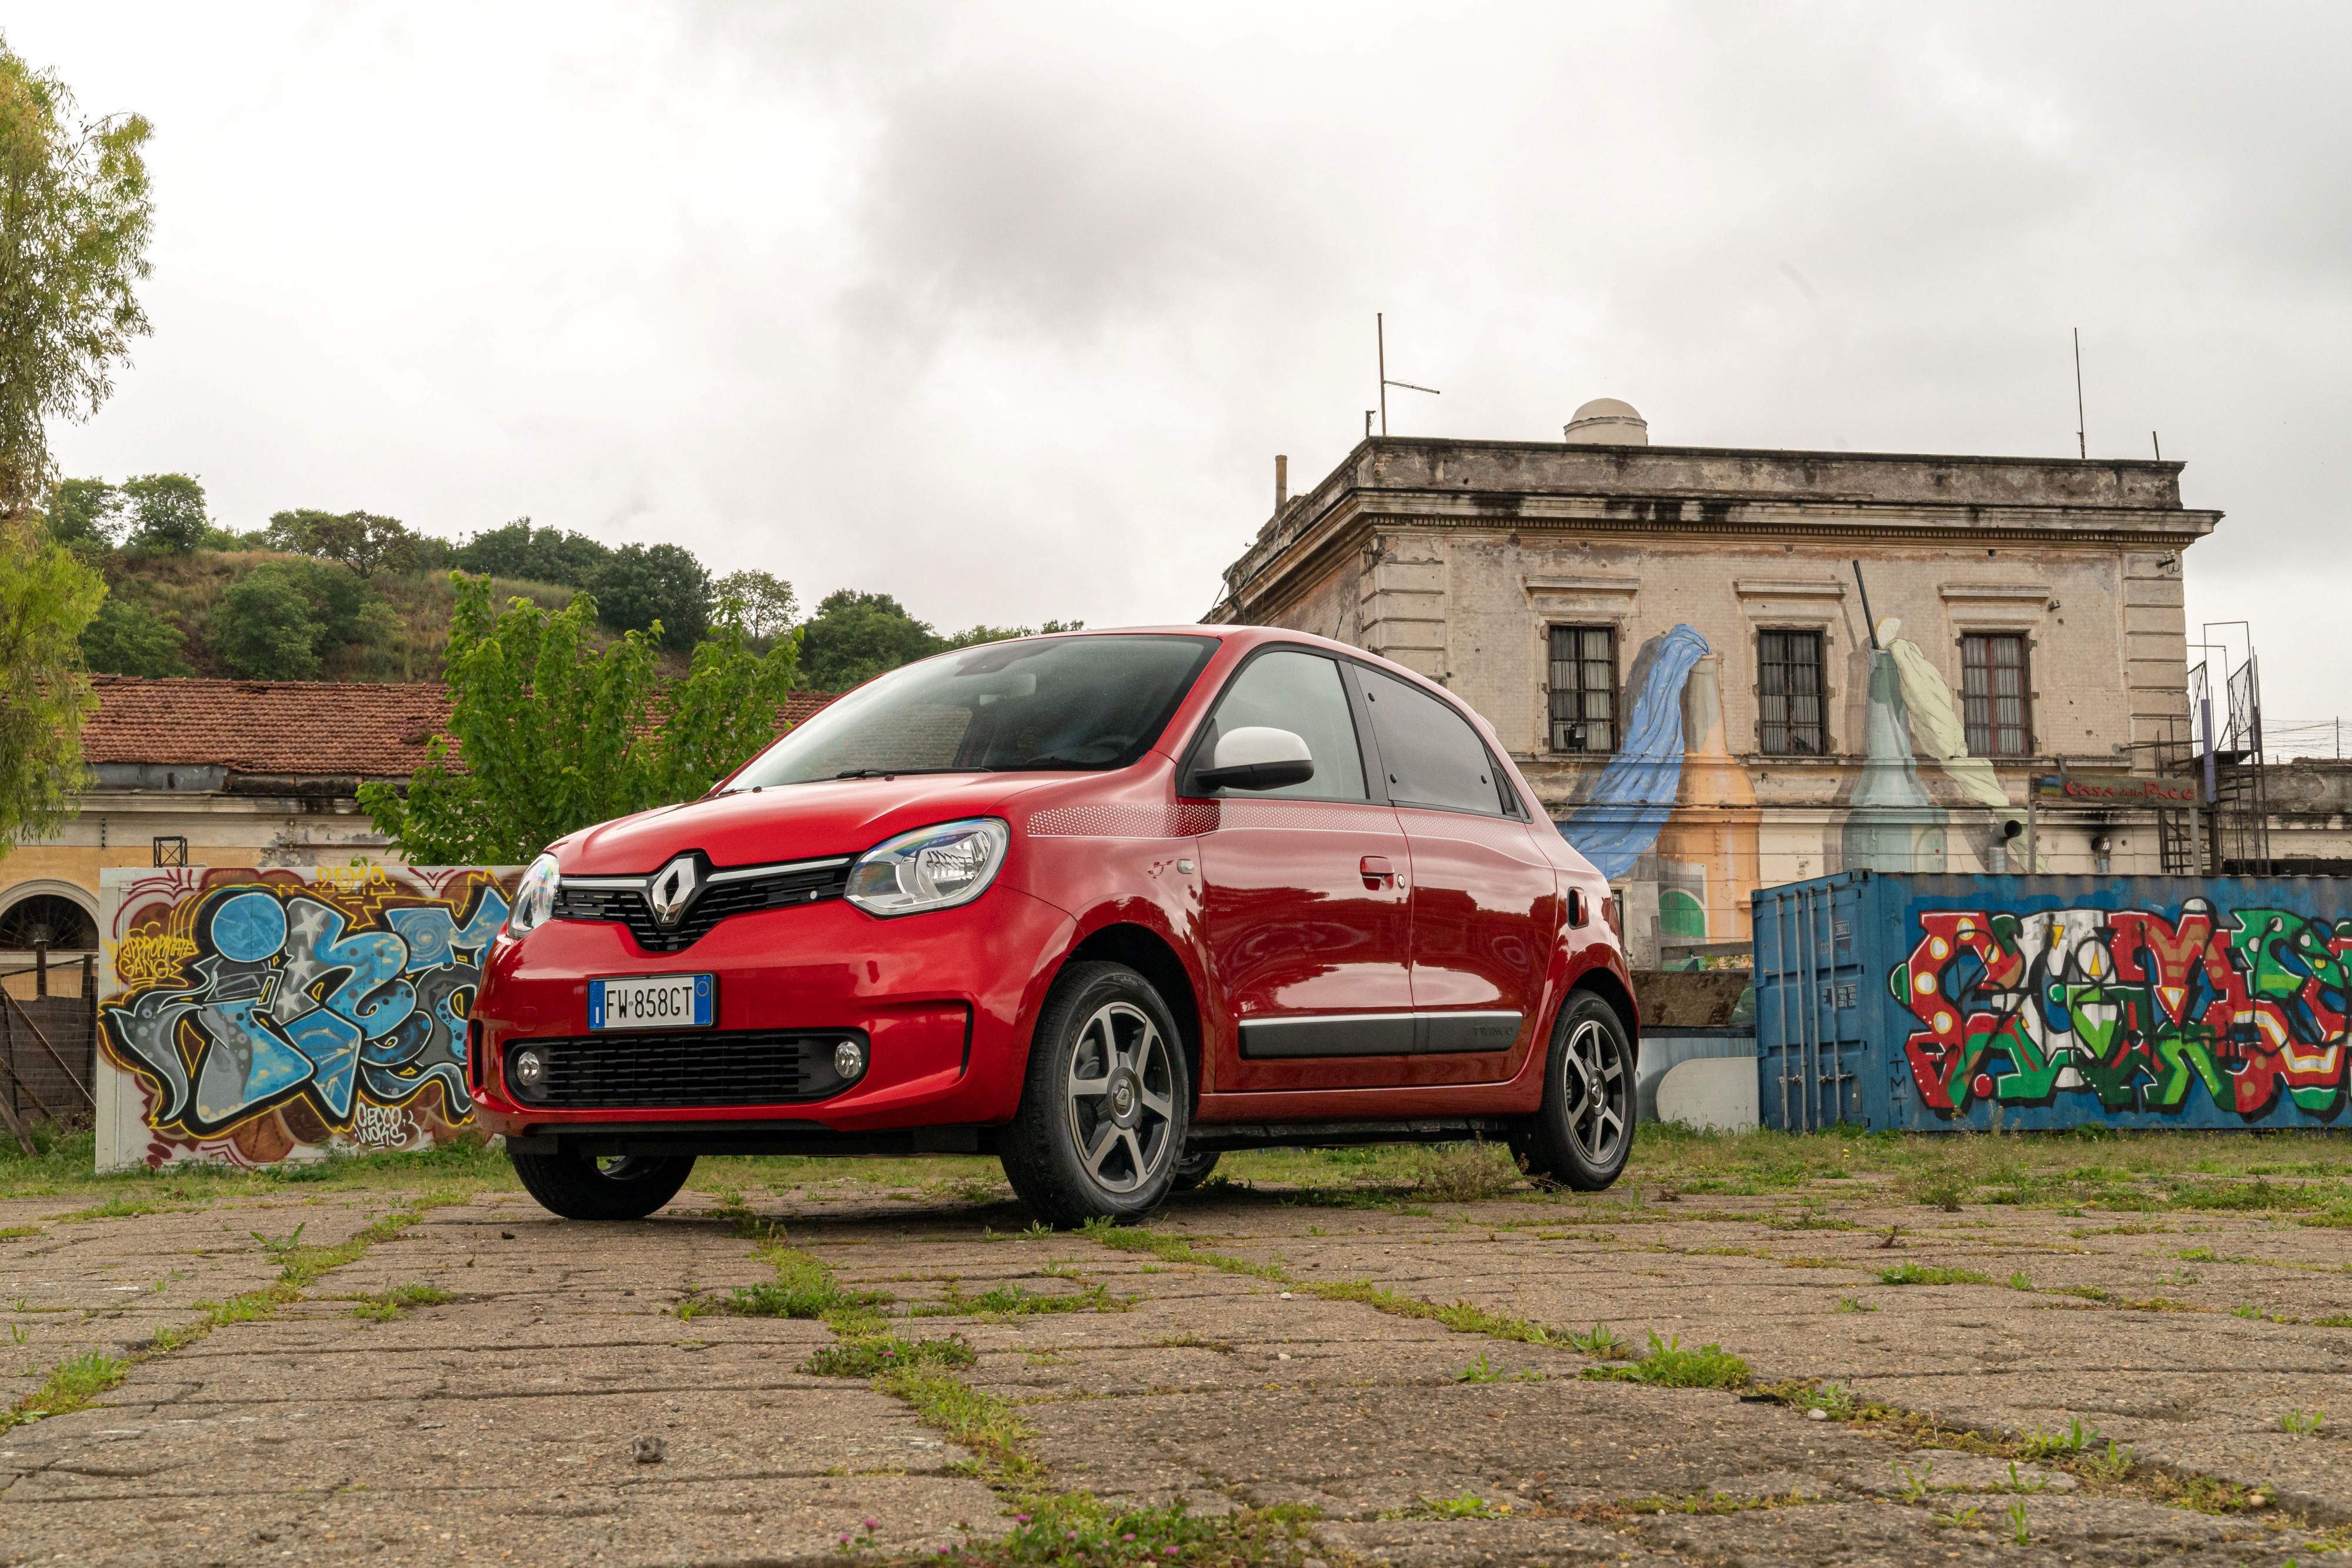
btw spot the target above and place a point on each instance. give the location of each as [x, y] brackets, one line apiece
[1687, 566]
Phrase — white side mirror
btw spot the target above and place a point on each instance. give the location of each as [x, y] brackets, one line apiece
[1258, 756]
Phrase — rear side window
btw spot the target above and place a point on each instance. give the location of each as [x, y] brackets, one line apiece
[1301, 693]
[1433, 756]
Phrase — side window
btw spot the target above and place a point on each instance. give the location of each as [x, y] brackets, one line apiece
[1433, 756]
[1301, 693]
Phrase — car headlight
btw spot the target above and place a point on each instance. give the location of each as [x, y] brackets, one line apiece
[534, 898]
[930, 868]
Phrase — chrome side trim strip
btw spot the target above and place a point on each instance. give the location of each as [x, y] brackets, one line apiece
[1437, 1031]
[781, 868]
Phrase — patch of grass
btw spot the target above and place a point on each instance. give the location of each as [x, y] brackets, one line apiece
[18, 1232]
[1468, 1505]
[1463, 1172]
[122, 1205]
[1016, 1300]
[1854, 1304]
[1462, 1317]
[874, 1357]
[2078, 1436]
[70, 1385]
[803, 1288]
[2334, 1321]
[2020, 1280]
[1619, 1509]
[981, 1422]
[1931, 1274]
[1076, 1530]
[1669, 1365]
[385, 1305]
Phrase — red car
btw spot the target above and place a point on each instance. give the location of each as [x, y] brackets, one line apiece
[1102, 903]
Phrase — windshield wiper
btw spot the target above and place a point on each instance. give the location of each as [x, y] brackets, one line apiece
[895, 772]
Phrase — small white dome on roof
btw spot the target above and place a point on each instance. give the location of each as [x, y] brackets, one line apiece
[1608, 422]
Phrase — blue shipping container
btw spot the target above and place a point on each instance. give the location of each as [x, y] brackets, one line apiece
[1885, 999]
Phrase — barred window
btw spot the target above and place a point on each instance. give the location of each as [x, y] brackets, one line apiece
[1995, 704]
[1584, 688]
[1788, 693]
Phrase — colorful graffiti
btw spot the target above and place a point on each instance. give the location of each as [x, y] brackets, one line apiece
[2131, 1006]
[259, 1016]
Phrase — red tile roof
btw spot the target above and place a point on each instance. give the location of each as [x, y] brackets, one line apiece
[319, 728]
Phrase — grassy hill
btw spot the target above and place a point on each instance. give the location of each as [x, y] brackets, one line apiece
[399, 630]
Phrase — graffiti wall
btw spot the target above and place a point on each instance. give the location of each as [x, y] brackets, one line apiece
[2134, 1010]
[256, 1016]
[1675, 816]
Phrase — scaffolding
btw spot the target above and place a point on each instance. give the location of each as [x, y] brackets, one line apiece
[2217, 745]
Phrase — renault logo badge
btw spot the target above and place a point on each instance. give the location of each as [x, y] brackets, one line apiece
[673, 888]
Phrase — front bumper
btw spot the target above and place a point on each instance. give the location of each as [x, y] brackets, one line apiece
[946, 1000]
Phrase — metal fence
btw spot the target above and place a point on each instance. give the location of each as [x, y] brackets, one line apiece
[49, 1041]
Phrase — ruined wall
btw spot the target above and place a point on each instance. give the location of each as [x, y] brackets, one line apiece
[251, 1016]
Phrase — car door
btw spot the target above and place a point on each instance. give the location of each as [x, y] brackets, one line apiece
[1305, 910]
[1485, 898]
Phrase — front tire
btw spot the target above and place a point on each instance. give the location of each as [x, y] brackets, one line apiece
[1100, 1131]
[577, 1186]
[1584, 1130]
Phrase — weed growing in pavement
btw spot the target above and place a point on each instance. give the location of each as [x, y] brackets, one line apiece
[2302, 1423]
[2020, 1280]
[17, 1334]
[70, 1385]
[1190, 1340]
[1959, 1518]
[1914, 1483]
[1669, 1365]
[1930, 1274]
[1076, 1530]
[873, 1357]
[979, 1421]
[280, 1247]
[1479, 1370]
[1603, 1343]
[386, 1305]
[1463, 1172]
[1854, 1304]
[1014, 1301]
[2077, 1436]
[803, 1288]
[2017, 1523]
[2018, 1483]
[123, 1208]
[1468, 1505]
[18, 1232]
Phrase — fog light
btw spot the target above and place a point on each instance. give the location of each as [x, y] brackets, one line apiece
[529, 1070]
[848, 1060]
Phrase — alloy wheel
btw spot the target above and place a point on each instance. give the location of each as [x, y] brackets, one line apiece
[1595, 1090]
[1120, 1098]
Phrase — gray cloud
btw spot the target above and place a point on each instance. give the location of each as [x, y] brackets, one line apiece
[1005, 309]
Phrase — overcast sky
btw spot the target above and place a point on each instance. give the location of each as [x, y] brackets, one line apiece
[1005, 309]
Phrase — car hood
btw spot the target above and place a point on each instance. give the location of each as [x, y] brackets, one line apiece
[787, 823]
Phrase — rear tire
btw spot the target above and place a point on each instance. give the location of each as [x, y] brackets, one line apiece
[1584, 1131]
[1100, 1131]
[1194, 1169]
[579, 1187]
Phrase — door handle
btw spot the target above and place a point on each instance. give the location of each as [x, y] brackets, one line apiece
[1376, 868]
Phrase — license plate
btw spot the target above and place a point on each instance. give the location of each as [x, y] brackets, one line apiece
[651, 1001]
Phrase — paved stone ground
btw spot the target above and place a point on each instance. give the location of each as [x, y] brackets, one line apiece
[498, 1423]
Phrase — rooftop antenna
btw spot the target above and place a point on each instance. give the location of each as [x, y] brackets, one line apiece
[1380, 333]
[2082, 441]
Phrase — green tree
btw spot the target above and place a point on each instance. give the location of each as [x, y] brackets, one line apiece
[536, 555]
[363, 541]
[166, 512]
[85, 514]
[549, 735]
[761, 601]
[645, 587]
[75, 219]
[855, 636]
[47, 597]
[975, 636]
[262, 628]
[127, 639]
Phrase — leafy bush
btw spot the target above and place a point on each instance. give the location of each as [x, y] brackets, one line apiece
[127, 639]
[262, 628]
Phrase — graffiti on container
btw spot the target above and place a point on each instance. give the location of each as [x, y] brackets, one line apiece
[2131, 1006]
[261, 1014]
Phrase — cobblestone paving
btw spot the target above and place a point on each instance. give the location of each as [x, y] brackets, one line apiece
[475, 1381]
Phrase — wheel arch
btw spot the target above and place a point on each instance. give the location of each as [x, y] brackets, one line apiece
[1151, 954]
[1603, 982]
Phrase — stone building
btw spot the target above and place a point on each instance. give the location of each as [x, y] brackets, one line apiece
[1673, 642]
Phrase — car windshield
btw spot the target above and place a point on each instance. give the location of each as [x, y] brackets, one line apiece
[1089, 703]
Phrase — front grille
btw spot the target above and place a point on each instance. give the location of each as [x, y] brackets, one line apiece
[805, 882]
[621, 1072]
